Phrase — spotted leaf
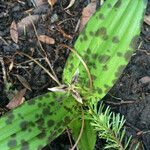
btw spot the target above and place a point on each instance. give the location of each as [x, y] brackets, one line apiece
[106, 44]
[37, 122]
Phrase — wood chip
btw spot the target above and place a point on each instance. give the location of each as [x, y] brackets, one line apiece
[46, 39]
[70, 4]
[52, 2]
[87, 12]
[14, 32]
[17, 100]
[145, 80]
[147, 19]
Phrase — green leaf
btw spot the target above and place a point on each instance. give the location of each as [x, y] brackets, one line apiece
[88, 138]
[106, 45]
[37, 122]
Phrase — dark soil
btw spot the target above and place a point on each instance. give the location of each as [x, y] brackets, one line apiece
[130, 95]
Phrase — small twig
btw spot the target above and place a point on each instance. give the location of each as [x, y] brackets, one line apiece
[21, 53]
[69, 137]
[46, 58]
[3, 70]
[82, 61]
[145, 51]
[4, 41]
[81, 131]
[120, 103]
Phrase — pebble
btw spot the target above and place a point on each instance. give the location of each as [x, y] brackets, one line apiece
[145, 80]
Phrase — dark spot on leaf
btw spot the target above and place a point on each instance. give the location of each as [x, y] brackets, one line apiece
[109, 5]
[94, 56]
[105, 68]
[119, 71]
[128, 55]
[115, 39]
[101, 16]
[67, 119]
[23, 125]
[12, 143]
[85, 38]
[40, 97]
[134, 41]
[91, 33]
[119, 54]
[40, 121]
[118, 4]
[101, 31]
[46, 111]
[89, 51]
[106, 86]
[94, 65]
[60, 130]
[29, 130]
[50, 123]
[13, 135]
[36, 115]
[39, 105]
[32, 124]
[24, 145]
[103, 58]
[10, 118]
[20, 115]
[67, 108]
[31, 102]
[99, 90]
[81, 39]
[114, 81]
[52, 103]
[59, 124]
[42, 134]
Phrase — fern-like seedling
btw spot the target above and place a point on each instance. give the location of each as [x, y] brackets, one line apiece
[110, 127]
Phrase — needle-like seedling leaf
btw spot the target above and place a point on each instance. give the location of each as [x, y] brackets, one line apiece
[107, 44]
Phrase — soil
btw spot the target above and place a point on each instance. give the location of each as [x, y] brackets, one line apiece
[130, 95]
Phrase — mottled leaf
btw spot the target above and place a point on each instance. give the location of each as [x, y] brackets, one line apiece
[37, 122]
[106, 45]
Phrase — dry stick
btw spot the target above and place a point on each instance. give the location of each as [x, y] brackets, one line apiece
[82, 61]
[3, 70]
[69, 137]
[81, 131]
[42, 47]
[41, 67]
